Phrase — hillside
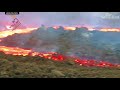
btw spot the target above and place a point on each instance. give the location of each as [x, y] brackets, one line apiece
[36, 67]
[81, 42]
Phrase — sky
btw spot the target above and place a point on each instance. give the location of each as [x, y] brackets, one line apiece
[35, 19]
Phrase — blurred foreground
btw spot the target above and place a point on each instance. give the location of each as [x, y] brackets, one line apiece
[37, 67]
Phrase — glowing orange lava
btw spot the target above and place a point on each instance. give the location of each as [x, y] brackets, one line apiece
[54, 56]
[110, 30]
[50, 55]
[69, 28]
[23, 52]
[14, 50]
[6, 33]
[91, 29]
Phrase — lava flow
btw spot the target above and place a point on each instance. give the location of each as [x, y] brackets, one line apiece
[72, 28]
[110, 30]
[24, 52]
[49, 55]
[54, 56]
[5, 33]
[91, 29]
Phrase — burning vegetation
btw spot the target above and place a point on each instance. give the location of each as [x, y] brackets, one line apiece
[55, 56]
[62, 44]
[52, 49]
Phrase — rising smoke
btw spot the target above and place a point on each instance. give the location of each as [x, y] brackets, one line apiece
[80, 42]
[35, 19]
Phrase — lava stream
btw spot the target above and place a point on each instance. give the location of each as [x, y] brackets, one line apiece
[54, 56]
[91, 29]
[5, 33]
[50, 55]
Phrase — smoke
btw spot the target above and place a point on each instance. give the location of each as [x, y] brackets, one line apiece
[35, 19]
[73, 43]
[80, 42]
[51, 40]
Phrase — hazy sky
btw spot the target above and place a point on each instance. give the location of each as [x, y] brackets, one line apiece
[35, 19]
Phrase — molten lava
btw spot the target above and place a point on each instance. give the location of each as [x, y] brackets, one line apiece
[50, 55]
[69, 28]
[110, 30]
[14, 50]
[24, 52]
[91, 29]
[54, 56]
[4, 34]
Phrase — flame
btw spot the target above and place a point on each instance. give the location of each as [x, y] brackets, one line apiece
[65, 28]
[69, 28]
[110, 29]
[54, 56]
[50, 55]
[14, 50]
[6, 33]
[72, 28]
[27, 52]
[90, 28]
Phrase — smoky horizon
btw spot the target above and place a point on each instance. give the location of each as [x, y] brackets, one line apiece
[36, 19]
